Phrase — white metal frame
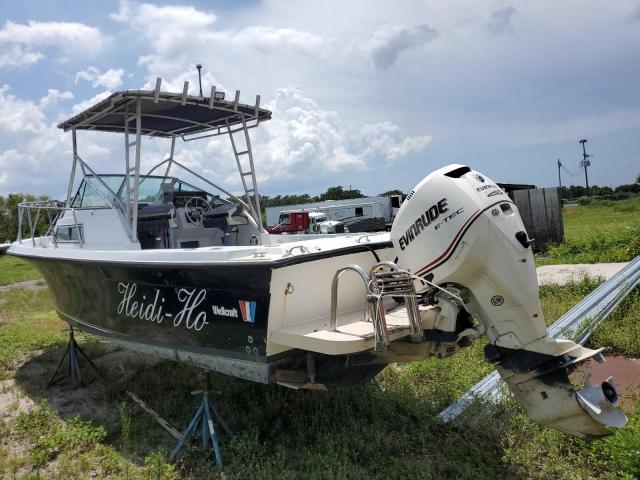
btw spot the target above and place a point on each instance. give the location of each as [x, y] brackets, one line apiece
[132, 180]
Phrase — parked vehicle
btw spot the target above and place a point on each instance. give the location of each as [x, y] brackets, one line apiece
[296, 221]
[368, 214]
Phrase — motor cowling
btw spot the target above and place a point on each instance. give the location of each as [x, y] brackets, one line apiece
[458, 229]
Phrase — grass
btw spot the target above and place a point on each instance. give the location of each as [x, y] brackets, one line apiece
[386, 429]
[596, 233]
[13, 270]
[27, 323]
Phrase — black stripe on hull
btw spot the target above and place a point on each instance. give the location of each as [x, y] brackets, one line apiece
[221, 307]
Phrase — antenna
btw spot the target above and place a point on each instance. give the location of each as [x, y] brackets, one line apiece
[585, 162]
[199, 67]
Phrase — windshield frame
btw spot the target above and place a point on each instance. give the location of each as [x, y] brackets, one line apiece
[77, 202]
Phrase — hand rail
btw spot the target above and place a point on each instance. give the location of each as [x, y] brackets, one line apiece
[398, 283]
[334, 292]
[48, 206]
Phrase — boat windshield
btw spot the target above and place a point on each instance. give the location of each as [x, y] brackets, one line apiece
[154, 190]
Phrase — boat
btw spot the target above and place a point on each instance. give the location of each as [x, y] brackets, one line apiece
[4, 247]
[154, 263]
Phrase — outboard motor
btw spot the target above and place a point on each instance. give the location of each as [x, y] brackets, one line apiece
[458, 230]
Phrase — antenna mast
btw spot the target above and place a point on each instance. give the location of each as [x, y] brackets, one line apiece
[559, 177]
[199, 67]
[585, 162]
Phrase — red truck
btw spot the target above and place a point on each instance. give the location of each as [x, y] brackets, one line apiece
[299, 221]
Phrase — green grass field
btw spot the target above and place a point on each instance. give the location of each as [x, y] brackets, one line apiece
[385, 429]
[601, 232]
[14, 270]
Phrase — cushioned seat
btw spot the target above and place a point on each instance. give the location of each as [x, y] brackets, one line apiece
[217, 217]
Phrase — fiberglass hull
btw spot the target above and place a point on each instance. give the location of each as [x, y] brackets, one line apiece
[214, 316]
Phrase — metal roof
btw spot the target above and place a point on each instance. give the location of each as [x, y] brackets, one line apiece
[165, 114]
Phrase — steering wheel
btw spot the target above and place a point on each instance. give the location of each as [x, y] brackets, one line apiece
[195, 208]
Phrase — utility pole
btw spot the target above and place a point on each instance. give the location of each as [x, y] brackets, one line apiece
[559, 177]
[585, 163]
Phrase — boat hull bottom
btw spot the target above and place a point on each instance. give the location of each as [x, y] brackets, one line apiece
[291, 369]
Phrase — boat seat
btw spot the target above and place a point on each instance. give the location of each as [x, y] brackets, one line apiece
[153, 224]
[155, 212]
[223, 216]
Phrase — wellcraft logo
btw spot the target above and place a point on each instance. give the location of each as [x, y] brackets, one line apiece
[224, 312]
[248, 310]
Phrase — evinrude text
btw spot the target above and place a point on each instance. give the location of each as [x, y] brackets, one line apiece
[423, 221]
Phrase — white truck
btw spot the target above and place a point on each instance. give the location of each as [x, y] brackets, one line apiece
[368, 214]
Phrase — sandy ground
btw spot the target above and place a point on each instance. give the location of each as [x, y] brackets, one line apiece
[29, 284]
[562, 274]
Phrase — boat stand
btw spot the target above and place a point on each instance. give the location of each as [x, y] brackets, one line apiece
[205, 419]
[73, 366]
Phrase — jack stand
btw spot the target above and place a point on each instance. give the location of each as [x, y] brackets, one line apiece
[204, 417]
[73, 367]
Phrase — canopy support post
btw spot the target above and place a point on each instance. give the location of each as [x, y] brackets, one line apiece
[127, 167]
[73, 167]
[173, 146]
[132, 188]
[136, 172]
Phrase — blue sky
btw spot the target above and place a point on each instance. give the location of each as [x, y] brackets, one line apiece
[373, 94]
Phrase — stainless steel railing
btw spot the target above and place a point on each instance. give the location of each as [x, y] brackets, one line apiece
[380, 284]
[32, 212]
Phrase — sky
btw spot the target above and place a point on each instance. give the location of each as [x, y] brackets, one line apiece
[371, 94]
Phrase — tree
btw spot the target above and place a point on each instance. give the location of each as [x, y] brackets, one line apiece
[389, 193]
[339, 193]
[9, 216]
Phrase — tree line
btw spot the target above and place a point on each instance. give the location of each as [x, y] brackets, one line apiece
[577, 191]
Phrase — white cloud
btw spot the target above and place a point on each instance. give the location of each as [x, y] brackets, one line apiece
[389, 41]
[123, 13]
[53, 96]
[385, 139]
[63, 34]
[35, 155]
[23, 41]
[175, 32]
[500, 20]
[83, 105]
[110, 79]
[17, 56]
[304, 141]
[34, 146]
[17, 115]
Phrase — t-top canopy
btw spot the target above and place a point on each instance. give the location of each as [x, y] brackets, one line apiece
[166, 114]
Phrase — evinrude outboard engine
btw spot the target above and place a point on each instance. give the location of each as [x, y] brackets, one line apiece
[459, 231]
